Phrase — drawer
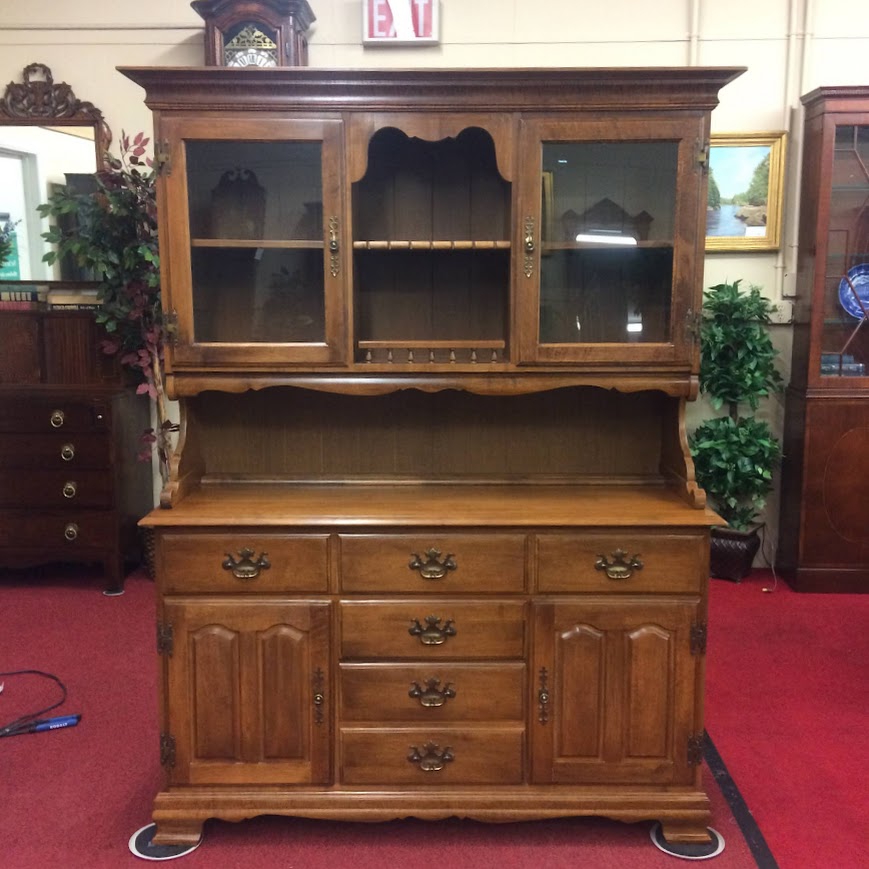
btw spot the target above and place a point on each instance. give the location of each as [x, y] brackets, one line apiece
[233, 562]
[670, 562]
[431, 756]
[73, 487]
[53, 414]
[72, 530]
[429, 630]
[433, 563]
[422, 692]
[56, 450]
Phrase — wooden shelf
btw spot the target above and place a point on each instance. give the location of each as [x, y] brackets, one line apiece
[588, 245]
[431, 245]
[288, 244]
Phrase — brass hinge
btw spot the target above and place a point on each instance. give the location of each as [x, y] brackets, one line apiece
[165, 639]
[693, 323]
[695, 749]
[162, 158]
[698, 638]
[170, 326]
[703, 155]
[167, 750]
[543, 696]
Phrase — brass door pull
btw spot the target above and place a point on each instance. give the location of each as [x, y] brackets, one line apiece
[69, 489]
[432, 758]
[621, 567]
[431, 568]
[57, 418]
[432, 695]
[432, 634]
[70, 531]
[246, 568]
[67, 452]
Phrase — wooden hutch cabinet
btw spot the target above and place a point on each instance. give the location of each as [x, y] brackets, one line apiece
[432, 543]
[71, 486]
[824, 542]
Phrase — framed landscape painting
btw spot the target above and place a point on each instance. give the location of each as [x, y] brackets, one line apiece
[746, 180]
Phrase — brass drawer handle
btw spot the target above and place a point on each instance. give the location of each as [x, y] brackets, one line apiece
[432, 758]
[431, 568]
[70, 487]
[70, 531]
[57, 418]
[67, 452]
[246, 568]
[621, 567]
[432, 634]
[432, 695]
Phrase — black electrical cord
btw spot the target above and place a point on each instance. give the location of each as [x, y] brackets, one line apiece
[13, 727]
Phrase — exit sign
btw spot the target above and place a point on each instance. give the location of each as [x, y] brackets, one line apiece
[400, 22]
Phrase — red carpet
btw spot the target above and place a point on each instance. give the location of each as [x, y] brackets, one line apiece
[788, 708]
[73, 798]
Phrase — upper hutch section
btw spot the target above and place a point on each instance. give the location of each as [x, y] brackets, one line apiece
[498, 230]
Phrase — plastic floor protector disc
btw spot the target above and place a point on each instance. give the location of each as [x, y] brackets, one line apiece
[140, 846]
[688, 851]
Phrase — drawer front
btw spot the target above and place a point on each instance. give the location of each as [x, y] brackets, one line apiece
[73, 487]
[432, 694]
[431, 563]
[53, 415]
[431, 756]
[238, 562]
[670, 562]
[429, 630]
[70, 530]
[57, 450]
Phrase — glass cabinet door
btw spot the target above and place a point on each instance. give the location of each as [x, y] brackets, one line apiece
[255, 242]
[844, 339]
[610, 213]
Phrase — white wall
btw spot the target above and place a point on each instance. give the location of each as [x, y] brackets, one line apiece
[789, 46]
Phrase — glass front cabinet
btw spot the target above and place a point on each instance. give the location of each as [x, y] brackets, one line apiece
[824, 544]
[434, 334]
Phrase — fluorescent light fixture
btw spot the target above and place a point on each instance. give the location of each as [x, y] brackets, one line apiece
[594, 238]
[635, 327]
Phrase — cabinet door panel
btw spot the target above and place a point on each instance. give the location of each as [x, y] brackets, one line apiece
[243, 680]
[256, 258]
[612, 216]
[618, 682]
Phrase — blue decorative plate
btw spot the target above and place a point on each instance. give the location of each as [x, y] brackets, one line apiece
[859, 277]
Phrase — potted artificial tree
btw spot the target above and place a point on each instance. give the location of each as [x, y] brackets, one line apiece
[735, 454]
[114, 235]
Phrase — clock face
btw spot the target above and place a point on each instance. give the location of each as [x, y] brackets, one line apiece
[250, 45]
[250, 57]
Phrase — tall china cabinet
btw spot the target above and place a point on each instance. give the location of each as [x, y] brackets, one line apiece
[825, 482]
[432, 543]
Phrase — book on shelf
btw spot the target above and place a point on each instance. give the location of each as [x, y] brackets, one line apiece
[21, 298]
[73, 299]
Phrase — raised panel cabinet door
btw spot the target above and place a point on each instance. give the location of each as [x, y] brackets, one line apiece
[613, 692]
[611, 217]
[256, 242]
[247, 693]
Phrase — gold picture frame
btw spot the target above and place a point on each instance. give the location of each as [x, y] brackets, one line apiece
[746, 184]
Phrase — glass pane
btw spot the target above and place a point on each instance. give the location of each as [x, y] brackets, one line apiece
[256, 231]
[607, 241]
[252, 294]
[845, 341]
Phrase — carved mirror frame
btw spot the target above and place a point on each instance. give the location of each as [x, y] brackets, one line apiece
[40, 101]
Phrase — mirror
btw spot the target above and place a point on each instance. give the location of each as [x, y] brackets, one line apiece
[48, 137]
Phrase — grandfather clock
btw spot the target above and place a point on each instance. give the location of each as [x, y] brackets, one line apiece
[241, 33]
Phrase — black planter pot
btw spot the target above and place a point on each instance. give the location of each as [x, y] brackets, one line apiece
[732, 552]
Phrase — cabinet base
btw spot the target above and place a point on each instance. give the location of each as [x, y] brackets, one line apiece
[684, 814]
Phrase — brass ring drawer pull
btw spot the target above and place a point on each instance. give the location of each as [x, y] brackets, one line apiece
[432, 634]
[621, 567]
[70, 487]
[432, 695]
[57, 418]
[70, 531]
[67, 452]
[246, 568]
[432, 758]
[432, 568]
